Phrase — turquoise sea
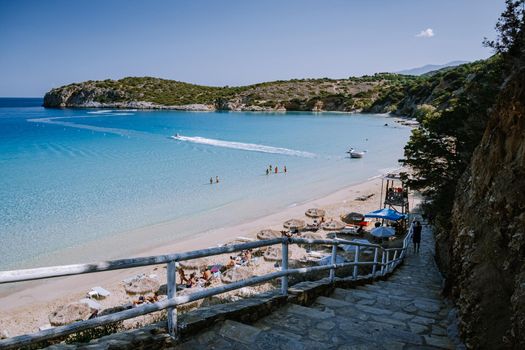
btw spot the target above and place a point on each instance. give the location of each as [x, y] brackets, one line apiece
[72, 176]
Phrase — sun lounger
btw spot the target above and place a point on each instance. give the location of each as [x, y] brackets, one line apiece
[44, 327]
[101, 292]
[245, 239]
[91, 303]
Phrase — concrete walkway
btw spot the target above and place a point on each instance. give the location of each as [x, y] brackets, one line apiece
[404, 312]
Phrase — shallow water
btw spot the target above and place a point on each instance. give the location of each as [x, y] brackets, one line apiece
[72, 176]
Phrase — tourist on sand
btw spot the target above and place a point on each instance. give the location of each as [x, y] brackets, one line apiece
[276, 171]
[206, 274]
[216, 179]
[267, 171]
[284, 169]
[211, 180]
[192, 280]
[416, 236]
[270, 168]
[231, 263]
[182, 275]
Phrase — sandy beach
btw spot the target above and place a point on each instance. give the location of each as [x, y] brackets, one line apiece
[25, 307]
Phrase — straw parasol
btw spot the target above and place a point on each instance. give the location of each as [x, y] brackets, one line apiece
[294, 224]
[268, 234]
[195, 264]
[273, 253]
[315, 213]
[142, 285]
[352, 218]
[70, 313]
[333, 225]
[236, 274]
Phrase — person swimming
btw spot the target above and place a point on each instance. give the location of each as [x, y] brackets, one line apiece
[216, 179]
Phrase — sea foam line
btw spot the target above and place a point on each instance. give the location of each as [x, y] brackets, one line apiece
[244, 146]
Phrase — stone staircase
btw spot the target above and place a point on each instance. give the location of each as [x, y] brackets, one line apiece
[404, 312]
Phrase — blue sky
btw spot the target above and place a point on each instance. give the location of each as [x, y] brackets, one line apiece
[45, 44]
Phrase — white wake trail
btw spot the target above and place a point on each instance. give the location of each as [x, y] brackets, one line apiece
[244, 146]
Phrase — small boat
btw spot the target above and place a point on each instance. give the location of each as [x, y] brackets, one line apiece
[355, 154]
[176, 136]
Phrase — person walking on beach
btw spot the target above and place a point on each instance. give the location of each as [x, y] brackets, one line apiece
[276, 171]
[211, 180]
[216, 179]
[267, 171]
[416, 236]
[270, 168]
[284, 169]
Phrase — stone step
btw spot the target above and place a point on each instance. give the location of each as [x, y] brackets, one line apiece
[234, 335]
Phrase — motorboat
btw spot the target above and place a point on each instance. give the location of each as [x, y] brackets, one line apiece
[177, 136]
[355, 154]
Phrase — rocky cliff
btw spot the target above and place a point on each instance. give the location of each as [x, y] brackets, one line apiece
[346, 95]
[483, 256]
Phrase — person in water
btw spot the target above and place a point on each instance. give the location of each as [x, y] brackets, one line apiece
[270, 168]
[284, 169]
[267, 171]
[216, 179]
[211, 180]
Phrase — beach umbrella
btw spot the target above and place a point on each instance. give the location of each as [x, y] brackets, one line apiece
[385, 213]
[273, 253]
[383, 232]
[351, 248]
[236, 274]
[294, 224]
[215, 268]
[142, 285]
[70, 313]
[195, 264]
[353, 218]
[315, 213]
[311, 235]
[327, 260]
[268, 234]
[333, 225]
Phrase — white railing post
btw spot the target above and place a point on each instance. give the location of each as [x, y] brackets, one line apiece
[172, 292]
[356, 260]
[394, 262]
[382, 262]
[374, 267]
[333, 262]
[284, 267]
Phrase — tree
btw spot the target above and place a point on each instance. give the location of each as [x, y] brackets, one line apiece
[510, 30]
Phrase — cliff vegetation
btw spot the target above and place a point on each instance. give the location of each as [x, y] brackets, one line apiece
[468, 159]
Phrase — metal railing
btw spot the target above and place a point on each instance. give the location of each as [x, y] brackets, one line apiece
[170, 304]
